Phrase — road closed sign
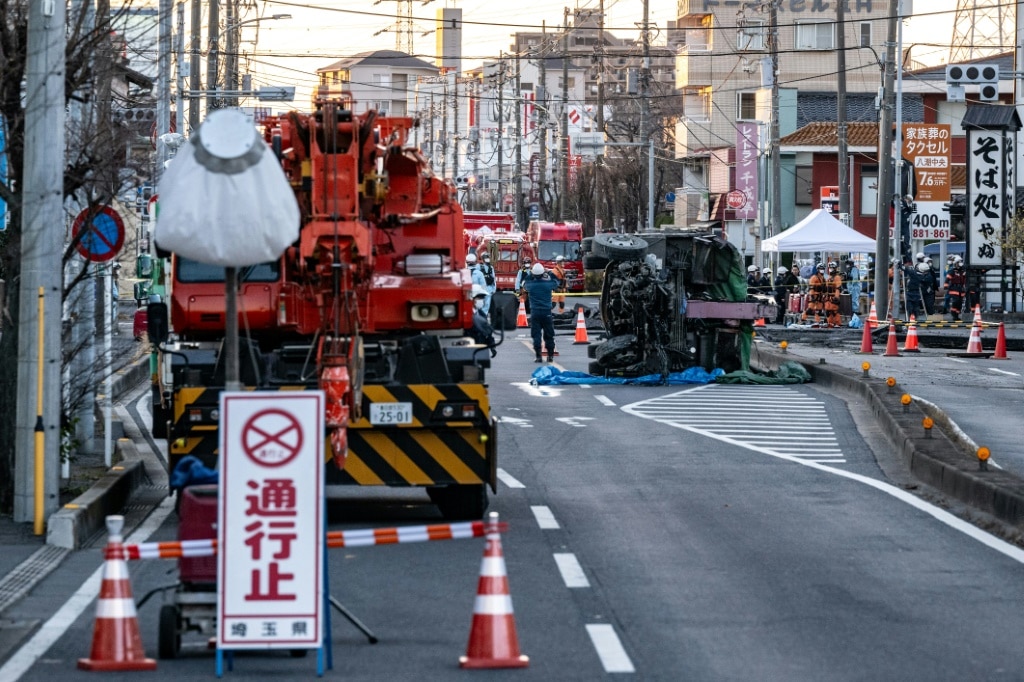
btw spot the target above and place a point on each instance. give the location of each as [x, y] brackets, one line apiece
[270, 528]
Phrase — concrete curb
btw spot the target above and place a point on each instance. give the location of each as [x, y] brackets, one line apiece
[81, 518]
[936, 461]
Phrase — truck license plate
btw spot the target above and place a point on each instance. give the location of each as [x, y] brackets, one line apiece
[390, 413]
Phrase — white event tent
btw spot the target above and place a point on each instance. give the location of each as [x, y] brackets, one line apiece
[819, 231]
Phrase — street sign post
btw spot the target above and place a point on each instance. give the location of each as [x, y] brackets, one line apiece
[101, 237]
[270, 581]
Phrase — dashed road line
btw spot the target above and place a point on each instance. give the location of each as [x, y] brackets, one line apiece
[609, 648]
[508, 479]
[605, 400]
[572, 573]
[1003, 371]
[545, 517]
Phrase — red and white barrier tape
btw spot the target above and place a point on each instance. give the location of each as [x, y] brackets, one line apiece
[190, 549]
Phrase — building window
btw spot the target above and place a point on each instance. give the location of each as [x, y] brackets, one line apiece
[868, 190]
[570, 86]
[819, 36]
[804, 185]
[865, 33]
[750, 35]
[697, 104]
[746, 106]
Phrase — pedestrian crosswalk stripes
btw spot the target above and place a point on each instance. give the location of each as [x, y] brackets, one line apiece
[799, 428]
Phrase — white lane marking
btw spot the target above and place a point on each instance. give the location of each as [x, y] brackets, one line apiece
[605, 400]
[545, 518]
[572, 572]
[508, 479]
[609, 649]
[574, 421]
[53, 629]
[940, 515]
[539, 391]
[516, 421]
[1003, 371]
[957, 360]
[584, 385]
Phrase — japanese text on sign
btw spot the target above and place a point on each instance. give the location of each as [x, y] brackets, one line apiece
[270, 520]
[746, 168]
[989, 203]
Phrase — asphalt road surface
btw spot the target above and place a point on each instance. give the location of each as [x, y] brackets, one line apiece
[687, 532]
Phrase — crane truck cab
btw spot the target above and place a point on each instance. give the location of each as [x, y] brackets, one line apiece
[565, 239]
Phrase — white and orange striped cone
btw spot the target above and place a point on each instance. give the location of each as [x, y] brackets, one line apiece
[581, 329]
[873, 316]
[521, 320]
[910, 343]
[974, 342]
[493, 642]
[116, 642]
[977, 315]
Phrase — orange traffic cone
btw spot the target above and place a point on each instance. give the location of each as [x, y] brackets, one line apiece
[760, 322]
[581, 328]
[865, 341]
[873, 317]
[521, 320]
[974, 342]
[977, 315]
[910, 343]
[1000, 353]
[116, 642]
[890, 346]
[493, 642]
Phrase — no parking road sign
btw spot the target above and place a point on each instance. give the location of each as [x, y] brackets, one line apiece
[100, 235]
[270, 529]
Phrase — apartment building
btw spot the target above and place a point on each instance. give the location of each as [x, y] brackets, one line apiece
[383, 80]
[723, 72]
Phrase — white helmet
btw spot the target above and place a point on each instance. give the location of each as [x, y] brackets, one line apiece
[470, 258]
[923, 267]
[477, 291]
[751, 268]
[920, 255]
[537, 269]
[782, 270]
[559, 259]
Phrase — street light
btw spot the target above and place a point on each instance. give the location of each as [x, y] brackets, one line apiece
[232, 49]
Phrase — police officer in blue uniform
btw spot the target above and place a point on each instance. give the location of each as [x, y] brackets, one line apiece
[539, 286]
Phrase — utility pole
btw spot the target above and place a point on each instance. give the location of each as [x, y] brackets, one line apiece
[194, 84]
[841, 127]
[163, 87]
[542, 124]
[563, 121]
[774, 151]
[885, 165]
[444, 130]
[231, 51]
[212, 57]
[180, 95]
[645, 114]
[455, 125]
[599, 165]
[520, 211]
[37, 420]
[501, 125]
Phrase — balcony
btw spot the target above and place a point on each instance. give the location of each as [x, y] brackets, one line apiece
[693, 67]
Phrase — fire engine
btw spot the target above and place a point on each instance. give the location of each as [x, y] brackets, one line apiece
[551, 240]
[370, 304]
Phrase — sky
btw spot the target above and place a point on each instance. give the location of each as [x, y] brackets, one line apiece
[320, 32]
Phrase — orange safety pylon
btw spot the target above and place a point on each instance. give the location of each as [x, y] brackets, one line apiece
[891, 350]
[1000, 353]
[977, 315]
[865, 341]
[974, 342]
[521, 320]
[493, 642]
[581, 328]
[910, 343]
[760, 322]
[116, 642]
[873, 316]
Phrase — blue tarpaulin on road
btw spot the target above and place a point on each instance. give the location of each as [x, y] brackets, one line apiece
[548, 376]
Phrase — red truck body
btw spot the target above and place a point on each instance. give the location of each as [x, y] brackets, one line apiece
[550, 240]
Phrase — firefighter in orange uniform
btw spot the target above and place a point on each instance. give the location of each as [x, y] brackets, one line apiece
[833, 288]
[815, 294]
[558, 297]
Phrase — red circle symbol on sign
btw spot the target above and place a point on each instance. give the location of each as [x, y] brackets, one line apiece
[272, 438]
[100, 235]
[736, 200]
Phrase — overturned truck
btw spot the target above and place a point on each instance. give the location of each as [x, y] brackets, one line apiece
[673, 300]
